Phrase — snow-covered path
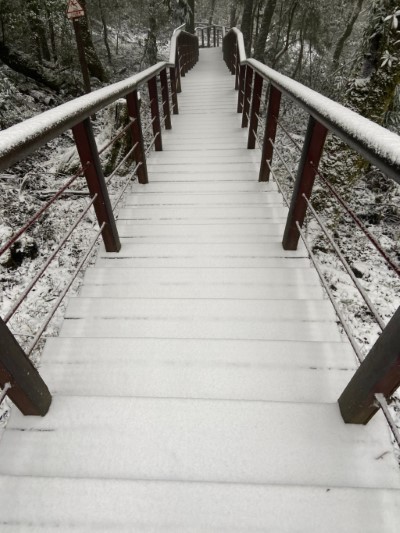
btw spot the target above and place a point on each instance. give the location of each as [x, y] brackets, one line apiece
[195, 377]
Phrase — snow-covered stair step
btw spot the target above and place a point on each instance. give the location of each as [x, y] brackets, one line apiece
[200, 230]
[218, 310]
[206, 352]
[260, 277]
[204, 199]
[193, 187]
[216, 214]
[155, 289]
[224, 441]
[173, 371]
[114, 505]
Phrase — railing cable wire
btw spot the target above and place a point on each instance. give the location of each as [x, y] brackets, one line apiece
[64, 292]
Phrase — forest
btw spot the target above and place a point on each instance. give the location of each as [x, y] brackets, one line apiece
[348, 50]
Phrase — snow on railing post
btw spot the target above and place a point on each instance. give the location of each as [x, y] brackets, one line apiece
[247, 94]
[312, 151]
[378, 373]
[89, 156]
[165, 98]
[255, 109]
[137, 136]
[28, 390]
[155, 113]
[274, 104]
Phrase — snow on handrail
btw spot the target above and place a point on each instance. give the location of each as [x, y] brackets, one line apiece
[375, 143]
[240, 42]
[20, 140]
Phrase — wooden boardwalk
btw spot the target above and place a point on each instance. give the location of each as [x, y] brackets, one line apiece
[195, 377]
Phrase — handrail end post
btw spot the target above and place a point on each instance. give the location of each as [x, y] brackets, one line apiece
[28, 390]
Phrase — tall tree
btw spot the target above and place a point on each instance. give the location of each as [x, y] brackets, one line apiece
[346, 33]
[259, 49]
[95, 66]
[247, 24]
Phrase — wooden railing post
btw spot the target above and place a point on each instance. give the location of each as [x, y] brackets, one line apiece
[137, 136]
[255, 109]
[202, 38]
[215, 37]
[378, 373]
[242, 79]
[247, 94]
[28, 390]
[174, 91]
[165, 98]
[236, 67]
[155, 113]
[312, 151]
[274, 104]
[90, 160]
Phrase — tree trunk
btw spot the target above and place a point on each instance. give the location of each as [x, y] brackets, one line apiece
[152, 51]
[105, 31]
[285, 46]
[259, 48]
[95, 66]
[247, 25]
[299, 61]
[346, 34]
[190, 24]
[233, 15]
[38, 30]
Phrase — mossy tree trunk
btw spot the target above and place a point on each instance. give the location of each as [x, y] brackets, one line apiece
[370, 94]
[95, 66]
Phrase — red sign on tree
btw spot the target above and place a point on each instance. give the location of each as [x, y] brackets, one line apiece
[74, 10]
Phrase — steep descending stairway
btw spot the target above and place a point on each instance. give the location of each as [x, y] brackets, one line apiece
[195, 377]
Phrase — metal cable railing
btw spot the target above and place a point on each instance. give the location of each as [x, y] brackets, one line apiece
[258, 84]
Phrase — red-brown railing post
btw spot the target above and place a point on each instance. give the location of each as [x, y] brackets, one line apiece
[236, 67]
[378, 373]
[137, 136]
[274, 104]
[242, 79]
[165, 98]
[28, 390]
[174, 91]
[155, 113]
[255, 109]
[312, 151]
[89, 156]
[247, 94]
